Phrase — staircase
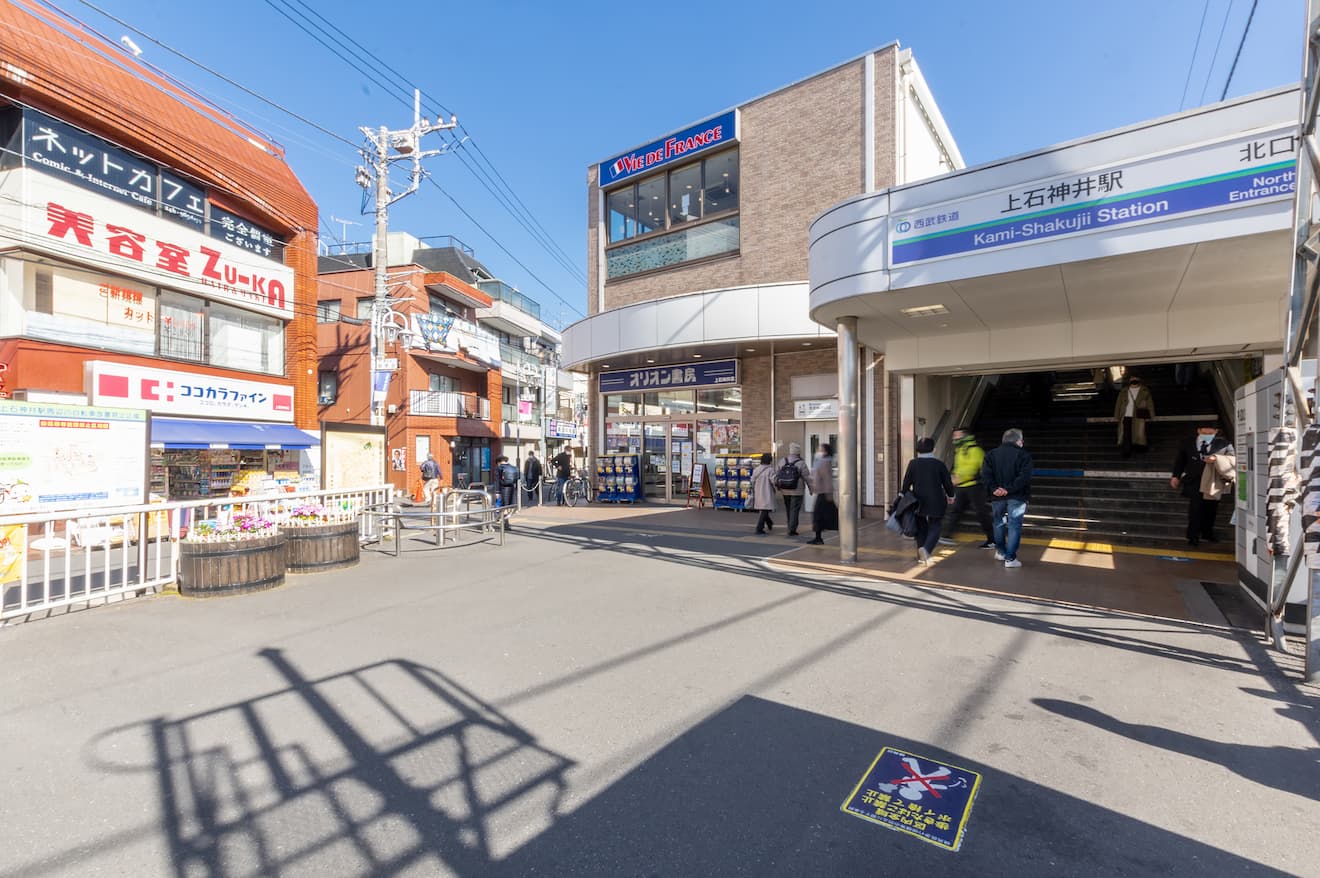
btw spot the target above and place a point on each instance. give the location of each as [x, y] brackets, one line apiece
[1083, 488]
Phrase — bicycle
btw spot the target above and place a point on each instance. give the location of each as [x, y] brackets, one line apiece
[577, 488]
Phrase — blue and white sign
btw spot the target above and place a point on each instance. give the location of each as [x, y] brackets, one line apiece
[679, 145]
[916, 795]
[716, 373]
[1245, 170]
[556, 429]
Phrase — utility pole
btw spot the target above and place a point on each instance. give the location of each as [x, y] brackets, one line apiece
[383, 148]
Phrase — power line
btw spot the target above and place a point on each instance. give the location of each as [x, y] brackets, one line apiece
[537, 231]
[1238, 53]
[1211, 69]
[216, 74]
[1195, 48]
[497, 243]
[390, 88]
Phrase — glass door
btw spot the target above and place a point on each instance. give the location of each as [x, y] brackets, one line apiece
[655, 477]
[816, 435]
[680, 458]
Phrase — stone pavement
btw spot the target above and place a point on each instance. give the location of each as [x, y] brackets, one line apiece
[637, 692]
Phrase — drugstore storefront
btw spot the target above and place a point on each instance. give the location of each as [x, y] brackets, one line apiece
[211, 436]
[672, 417]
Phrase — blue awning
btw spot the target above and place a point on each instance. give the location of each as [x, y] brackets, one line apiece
[181, 433]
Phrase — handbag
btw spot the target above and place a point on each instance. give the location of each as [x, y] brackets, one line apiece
[1142, 414]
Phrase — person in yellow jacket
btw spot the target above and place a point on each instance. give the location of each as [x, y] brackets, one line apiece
[967, 487]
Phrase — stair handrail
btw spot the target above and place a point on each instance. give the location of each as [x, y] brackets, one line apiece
[962, 412]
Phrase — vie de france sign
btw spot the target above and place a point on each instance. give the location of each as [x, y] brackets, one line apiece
[681, 144]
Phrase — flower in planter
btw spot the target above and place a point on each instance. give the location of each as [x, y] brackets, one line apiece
[313, 513]
[244, 526]
[307, 514]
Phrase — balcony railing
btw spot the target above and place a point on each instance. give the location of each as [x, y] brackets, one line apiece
[512, 358]
[449, 404]
[502, 292]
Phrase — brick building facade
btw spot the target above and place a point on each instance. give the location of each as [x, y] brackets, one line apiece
[717, 270]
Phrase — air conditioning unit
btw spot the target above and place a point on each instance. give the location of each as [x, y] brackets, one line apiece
[391, 409]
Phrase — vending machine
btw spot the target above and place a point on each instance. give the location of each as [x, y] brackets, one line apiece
[1258, 416]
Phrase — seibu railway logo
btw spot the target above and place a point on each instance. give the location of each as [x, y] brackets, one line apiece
[703, 135]
[205, 265]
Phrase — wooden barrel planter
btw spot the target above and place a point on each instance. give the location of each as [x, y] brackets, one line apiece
[320, 547]
[238, 567]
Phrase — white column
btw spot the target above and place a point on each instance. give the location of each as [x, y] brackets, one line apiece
[846, 453]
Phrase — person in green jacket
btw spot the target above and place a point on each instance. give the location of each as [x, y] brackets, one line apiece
[967, 486]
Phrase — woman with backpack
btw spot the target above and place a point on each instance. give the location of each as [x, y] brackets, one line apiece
[928, 479]
[792, 479]
[763, 493]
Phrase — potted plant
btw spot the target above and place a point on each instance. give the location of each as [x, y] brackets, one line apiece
[247, 553]
[321, 539]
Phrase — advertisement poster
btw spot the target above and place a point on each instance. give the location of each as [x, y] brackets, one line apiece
[12, 543]
[398, 459]
[56, 456]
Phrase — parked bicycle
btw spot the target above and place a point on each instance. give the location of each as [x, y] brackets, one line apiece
[577, 488]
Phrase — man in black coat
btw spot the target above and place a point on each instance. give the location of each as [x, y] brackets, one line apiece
[1188, 468]
[532, 479]
[1006, 475]
[563, 465]
[929, 481]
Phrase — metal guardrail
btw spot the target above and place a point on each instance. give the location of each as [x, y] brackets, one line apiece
[74, 557]
[452, 514]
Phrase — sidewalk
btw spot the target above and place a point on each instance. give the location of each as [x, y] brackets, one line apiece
[1128, 579]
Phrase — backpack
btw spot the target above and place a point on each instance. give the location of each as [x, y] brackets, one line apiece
[788, 476]
[508, 475]
[430, 470]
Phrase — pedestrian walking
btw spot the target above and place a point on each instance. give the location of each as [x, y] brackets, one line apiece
[929, 481]
[1006, 475]
[969, 492]
[824, 514]
[563, 465]
[1133, 408]
[763, 493]
[1205, 470]
[506, 475]
[792, 479]
[430, 479]
[532, 479]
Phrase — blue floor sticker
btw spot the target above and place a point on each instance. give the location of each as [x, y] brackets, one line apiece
[916, 795]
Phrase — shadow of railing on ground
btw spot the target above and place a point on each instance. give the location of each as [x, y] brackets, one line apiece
[387, 768]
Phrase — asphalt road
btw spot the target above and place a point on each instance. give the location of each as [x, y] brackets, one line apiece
[637, 696]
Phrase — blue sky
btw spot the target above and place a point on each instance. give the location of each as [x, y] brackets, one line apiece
[545, 89]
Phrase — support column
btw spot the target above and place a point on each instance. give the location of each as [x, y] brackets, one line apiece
[846, 454]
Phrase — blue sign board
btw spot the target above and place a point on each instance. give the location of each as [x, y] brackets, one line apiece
[1220, 190]
[679, 145]
[72, 154]
[713, 374]
[916, 795]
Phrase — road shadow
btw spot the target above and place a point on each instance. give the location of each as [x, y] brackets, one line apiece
[756, 789]
[1290, 769]
[385, 769]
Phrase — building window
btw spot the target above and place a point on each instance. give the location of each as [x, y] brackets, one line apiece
[677, 216]
[327, 311]
[364, 307]
[182, 327]
[327, 388]
[89, 309]
[444, 383]
[244, 340]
